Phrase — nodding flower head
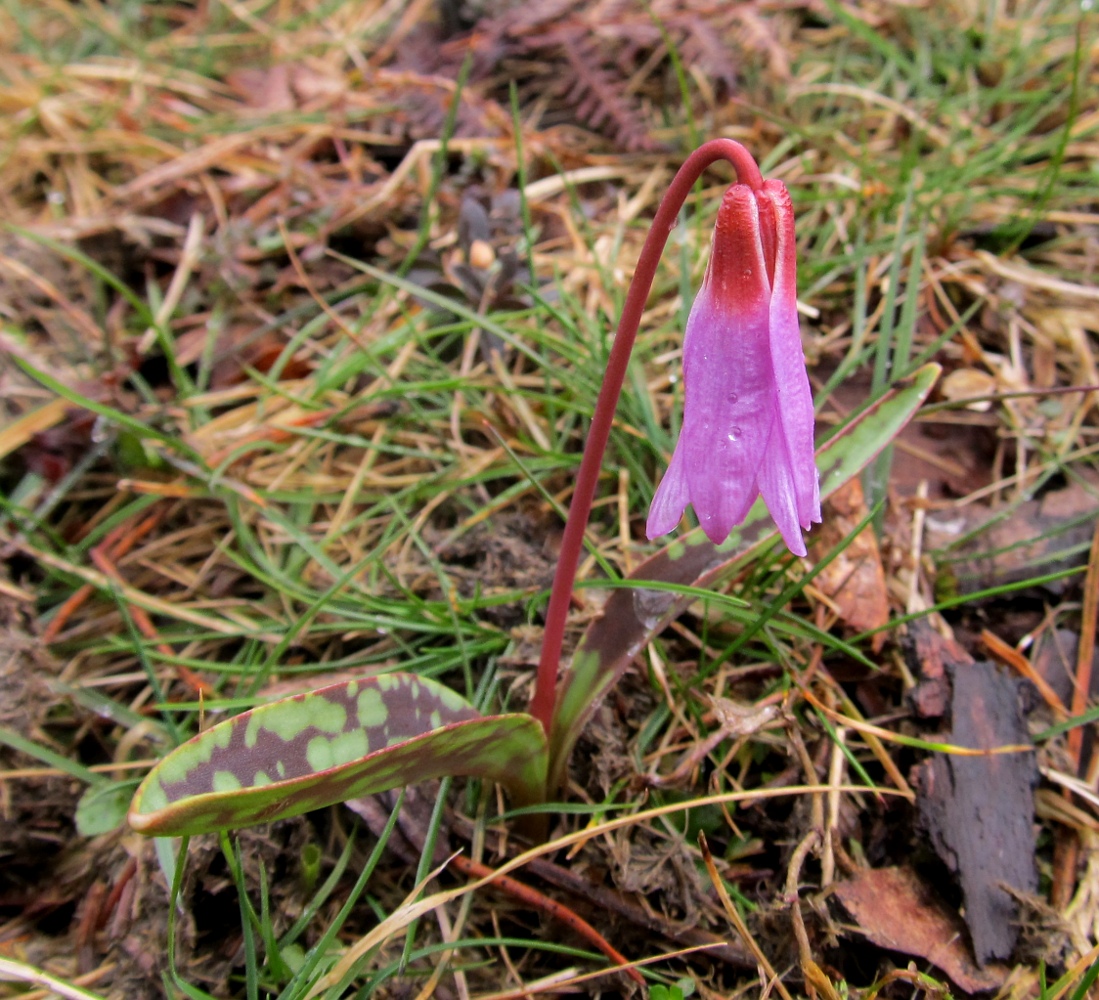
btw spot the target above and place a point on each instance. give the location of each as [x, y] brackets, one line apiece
[748, 410]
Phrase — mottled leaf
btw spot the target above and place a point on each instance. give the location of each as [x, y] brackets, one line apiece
[336, 743]
[632, 617]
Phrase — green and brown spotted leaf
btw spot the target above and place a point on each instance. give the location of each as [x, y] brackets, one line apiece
[632, 617]
[330, 745]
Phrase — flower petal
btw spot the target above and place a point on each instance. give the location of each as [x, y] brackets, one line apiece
[748, 409]
[779, 488]
[729, 400]
[795, 399]
[671, 499]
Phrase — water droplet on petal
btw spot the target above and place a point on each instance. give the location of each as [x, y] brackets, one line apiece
[651, 605]
[734, 434]
[733, 397]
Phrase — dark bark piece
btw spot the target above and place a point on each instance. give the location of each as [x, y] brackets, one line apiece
[929, 655]
[897, 910]
[979, 811]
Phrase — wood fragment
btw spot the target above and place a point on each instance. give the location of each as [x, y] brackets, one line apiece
[979, 811]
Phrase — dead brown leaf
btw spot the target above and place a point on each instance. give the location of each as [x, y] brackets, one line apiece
[854, 580]
[897, 910]
[264, 89]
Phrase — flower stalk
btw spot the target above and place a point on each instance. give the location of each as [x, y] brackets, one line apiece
[667, 213]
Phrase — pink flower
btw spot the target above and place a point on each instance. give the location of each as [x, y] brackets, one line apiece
[748, 411]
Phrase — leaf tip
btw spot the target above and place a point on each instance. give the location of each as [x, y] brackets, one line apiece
[141, 822]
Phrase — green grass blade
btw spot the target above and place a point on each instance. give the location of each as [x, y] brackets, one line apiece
[49, 757]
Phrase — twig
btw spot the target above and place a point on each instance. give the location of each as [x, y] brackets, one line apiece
[145, 624]
[737, 921]
[1066, 852]
[117, 543]
[1022, 666]
[1085, 653]
[560, 912]
[307, 284]
[557, 982]
[610, 899]
[809, 967]
[831, 828]
[809, 769]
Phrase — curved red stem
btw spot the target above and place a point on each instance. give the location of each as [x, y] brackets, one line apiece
[572, 542]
